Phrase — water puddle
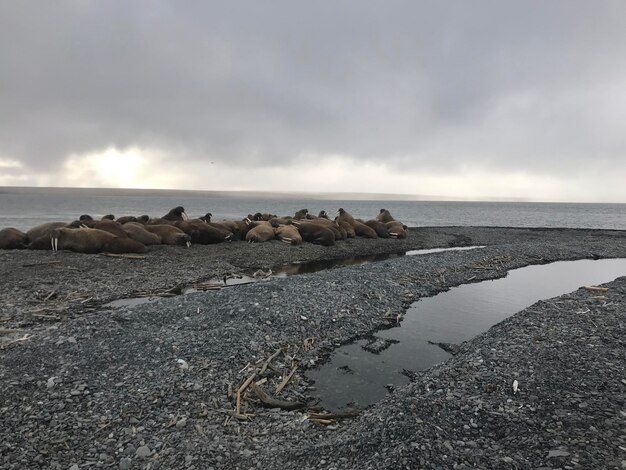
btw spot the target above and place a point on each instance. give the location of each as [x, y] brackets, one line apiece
[440, 250]
[282, 271]
[354, 375]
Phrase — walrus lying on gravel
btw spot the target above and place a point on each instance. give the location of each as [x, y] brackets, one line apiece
[12, 239]
[200, 232]
[170, 235]
[91, 240]
[381, 229]
[315, 233]
[138, 232]
[261, 231]
[288, 234]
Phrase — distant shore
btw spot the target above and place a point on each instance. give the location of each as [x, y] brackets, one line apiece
[83, 383]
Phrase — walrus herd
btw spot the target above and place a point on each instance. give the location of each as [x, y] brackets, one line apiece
[130, 234]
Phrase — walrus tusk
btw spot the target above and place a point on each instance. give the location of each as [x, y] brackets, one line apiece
[188, 244]
[185, 216]
[286, 240]
[52, 243]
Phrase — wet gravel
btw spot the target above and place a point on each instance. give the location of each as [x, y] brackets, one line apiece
[87, 386]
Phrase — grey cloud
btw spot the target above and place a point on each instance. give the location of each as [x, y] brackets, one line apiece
[430, 85]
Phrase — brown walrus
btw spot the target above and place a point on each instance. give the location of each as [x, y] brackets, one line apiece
[138, 232]
[110, 226]
[343, 216]
[200, 232]
[87, 220]
[396, 229]
[178, 213]
[91, 240]
[381, 229]
[347, 228]
[39, 236]
[170, 235]
[261, 231]
[330, 225]
[126, 218]
[301, 214]
[364, 231]
[12, 239]
[384, 216]
[288, 234]
[315, 233]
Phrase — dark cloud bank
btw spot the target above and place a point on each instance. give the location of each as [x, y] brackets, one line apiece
[505, 86]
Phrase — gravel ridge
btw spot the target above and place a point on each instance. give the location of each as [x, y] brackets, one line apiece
[146, 387]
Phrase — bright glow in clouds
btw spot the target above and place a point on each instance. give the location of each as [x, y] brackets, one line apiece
[148, 168]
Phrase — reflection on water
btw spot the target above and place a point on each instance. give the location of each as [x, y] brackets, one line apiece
[355, 375]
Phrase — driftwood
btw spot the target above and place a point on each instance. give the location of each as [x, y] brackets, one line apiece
[123, 255]
[240, 390]
[272, 402]
[286, 380]
[597, 289]
[337, 415]
[269, 359]
[8, 331]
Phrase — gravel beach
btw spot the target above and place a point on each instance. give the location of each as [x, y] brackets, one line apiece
[85, 385]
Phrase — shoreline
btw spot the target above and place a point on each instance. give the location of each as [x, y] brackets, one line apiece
[126, 360]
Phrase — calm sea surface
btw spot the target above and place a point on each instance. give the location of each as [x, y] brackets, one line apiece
[24, 208]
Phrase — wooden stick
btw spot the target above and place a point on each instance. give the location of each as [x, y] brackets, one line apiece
[323, 422]
[240, 390]
[8, 331]
[280, 386]
[124, 255]
[270, 359]
[338, 415]
[598, 289]
[272, 402]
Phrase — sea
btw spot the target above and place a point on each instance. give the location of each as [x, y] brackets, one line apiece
[23, 208]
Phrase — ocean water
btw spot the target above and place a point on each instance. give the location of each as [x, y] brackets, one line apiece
[24, 208]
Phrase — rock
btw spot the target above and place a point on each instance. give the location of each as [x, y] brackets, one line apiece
[143, 452]
[125, 463]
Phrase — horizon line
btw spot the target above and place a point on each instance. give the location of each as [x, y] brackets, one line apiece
[337, 195]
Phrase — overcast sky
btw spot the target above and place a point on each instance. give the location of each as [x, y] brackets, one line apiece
[467, 99]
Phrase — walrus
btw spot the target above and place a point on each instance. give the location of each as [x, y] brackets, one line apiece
[396, 229]
[138, 232]
[364, 231]
[87, 220]
[384, 216]
[331, 225]
[276, 221]
[315, 233]
[343, 216]
[91, 240]
[301, 214]
[288, 234]
[206, 218]
[178, 213]
[126, 218]
[381, 229]
[143, 219]
[108, 217]
[200, 232]
[41, 233]
[260, 231]
[12, 239]
[347, 228]
[111, 226]
[170, 235]
[323, 215]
